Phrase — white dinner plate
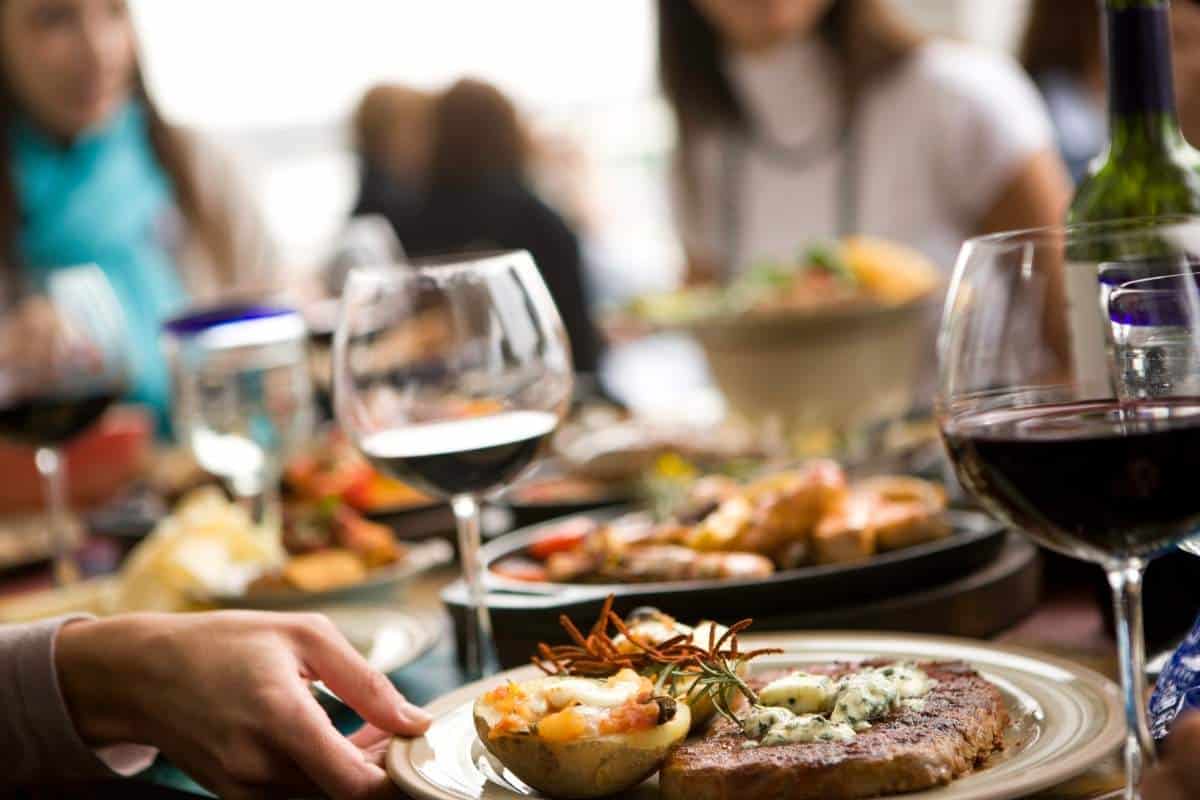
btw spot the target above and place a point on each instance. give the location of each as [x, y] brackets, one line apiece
[1065, 719]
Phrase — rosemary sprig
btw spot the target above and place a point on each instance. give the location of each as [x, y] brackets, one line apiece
[712, 670]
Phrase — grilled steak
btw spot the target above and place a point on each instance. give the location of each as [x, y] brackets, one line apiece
[961, 724]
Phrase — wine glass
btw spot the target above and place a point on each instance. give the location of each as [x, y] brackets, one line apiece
[65, 362]
[243, 398]
[1068, 417]
[450, 374]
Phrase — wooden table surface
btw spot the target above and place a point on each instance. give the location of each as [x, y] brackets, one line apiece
[1066, 624]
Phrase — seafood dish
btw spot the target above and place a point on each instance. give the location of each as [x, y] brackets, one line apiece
[726, 529]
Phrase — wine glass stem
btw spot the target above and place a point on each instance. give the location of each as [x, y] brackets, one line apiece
[54, 486]
[260, 495]
[480, 651]
[1126, 582]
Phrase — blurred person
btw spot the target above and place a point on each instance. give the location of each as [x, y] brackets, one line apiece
[803, 119]
[479, 197]
[92, 173]
[1063, 50]
[225, 696]
[393, 137]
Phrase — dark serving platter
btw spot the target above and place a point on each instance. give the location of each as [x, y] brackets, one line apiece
[525, 612]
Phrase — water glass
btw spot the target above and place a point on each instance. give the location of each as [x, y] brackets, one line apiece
[243, 398]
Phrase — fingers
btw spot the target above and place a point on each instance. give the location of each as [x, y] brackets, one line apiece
[331, 760]
[245, 773]
[331, 658]
[368, 735]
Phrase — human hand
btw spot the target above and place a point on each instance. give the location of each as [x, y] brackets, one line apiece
[1177, 775]
[225, 696]
[31, 336]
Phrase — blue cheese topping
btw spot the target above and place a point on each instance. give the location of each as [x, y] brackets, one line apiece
[768, 725]
[801, 707]
[800, 692]
[862, 697]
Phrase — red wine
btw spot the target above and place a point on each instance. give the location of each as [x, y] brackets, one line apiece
[52, 419]
[1093, 480]
[472, 455]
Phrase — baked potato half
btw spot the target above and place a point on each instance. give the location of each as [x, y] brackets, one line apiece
[651, 626]
[580, 737]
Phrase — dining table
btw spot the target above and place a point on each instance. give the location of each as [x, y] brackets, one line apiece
[1066, 623]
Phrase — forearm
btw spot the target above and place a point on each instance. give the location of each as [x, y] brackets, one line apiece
[37, 733]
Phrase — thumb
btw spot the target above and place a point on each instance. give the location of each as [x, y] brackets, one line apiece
[331, 658]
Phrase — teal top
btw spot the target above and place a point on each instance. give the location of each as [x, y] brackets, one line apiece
[105, 199]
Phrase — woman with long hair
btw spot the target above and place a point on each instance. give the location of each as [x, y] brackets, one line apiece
[802, 119]
[480, 196]
[92, 173]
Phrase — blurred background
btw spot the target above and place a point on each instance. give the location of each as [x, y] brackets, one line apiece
[583, 74]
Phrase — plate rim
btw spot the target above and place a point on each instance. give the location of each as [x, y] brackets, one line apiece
[1084, 756]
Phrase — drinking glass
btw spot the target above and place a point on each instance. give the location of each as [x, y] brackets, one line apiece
[1074, 413]
[243, 399]
[451, 374]
[54, 386]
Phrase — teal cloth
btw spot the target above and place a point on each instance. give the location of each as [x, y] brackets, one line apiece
[105, 199]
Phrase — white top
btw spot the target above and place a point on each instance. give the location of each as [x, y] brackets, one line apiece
[937, 142]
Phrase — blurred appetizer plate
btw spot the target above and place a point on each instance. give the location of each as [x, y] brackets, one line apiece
[389, 638]
[1065, 719]
[380, 584]
[530, 506]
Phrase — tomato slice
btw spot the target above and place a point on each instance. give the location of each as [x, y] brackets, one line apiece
[561, 538]
[521, 569]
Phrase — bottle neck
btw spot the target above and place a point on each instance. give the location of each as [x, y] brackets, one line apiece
[1141, 86]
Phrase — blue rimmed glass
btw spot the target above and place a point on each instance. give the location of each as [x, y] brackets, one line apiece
[1155, 341]
[242, 396]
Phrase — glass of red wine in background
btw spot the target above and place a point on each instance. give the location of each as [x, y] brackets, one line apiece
[1076, 417]
[451, 374]
[62, 367]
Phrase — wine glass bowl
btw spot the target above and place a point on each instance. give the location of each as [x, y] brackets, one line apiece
[242, 396]
[65, 362]
[451, 374]
[1068, 401]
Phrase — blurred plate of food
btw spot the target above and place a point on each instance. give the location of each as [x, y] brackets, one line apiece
[25, 539]
[333, 468]
[830, 341]
[553, 490]
[720, 528]
[800, 538]
[389, 638]
[208, 552]
[824, 281]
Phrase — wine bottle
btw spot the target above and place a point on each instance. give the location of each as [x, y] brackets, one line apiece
[1148, 170]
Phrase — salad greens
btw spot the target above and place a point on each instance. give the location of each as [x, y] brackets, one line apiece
[759, 283]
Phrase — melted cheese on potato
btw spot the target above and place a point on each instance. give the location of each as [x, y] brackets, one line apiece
[616, 691]
[563, 708]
